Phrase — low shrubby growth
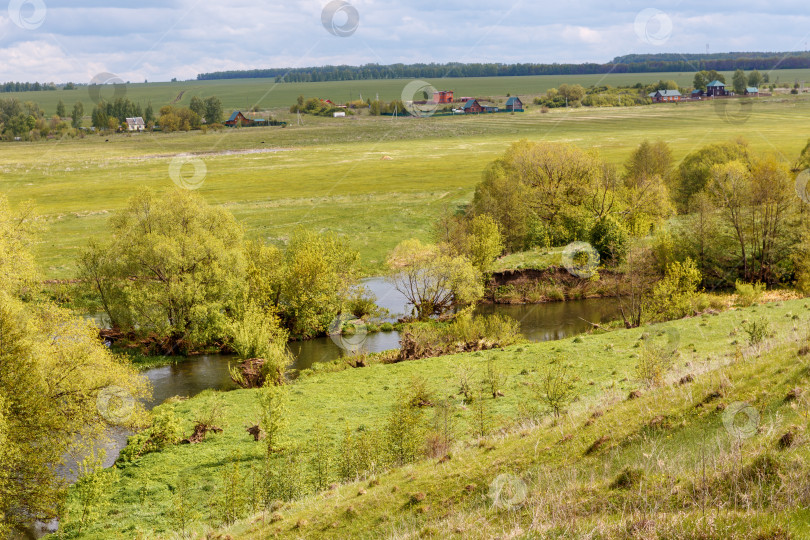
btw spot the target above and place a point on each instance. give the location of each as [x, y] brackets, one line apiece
[466, 332]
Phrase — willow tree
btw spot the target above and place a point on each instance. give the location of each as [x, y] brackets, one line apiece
[433, 281]
[175, 268]
[59, 385]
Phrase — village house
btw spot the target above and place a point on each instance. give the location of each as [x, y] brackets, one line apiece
[135, 124]
[443, 96]
[472, 107]
[716, 89]
[237, 119]
[514, 104]
[660, 96]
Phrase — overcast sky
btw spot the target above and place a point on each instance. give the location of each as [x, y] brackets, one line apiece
[74, 40]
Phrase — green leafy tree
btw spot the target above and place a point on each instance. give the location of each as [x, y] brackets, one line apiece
[755, 79]
[77, 114]
[60, 109]
[739, 81]
[176, 268]
[149, 114]
[673, 296]
[197, 106]
[213, 110]
[42, 413]
[559, 185]
[433, 281]
[273, 409]
[695, 171]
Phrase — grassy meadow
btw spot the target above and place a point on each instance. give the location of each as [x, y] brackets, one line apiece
[673, 435]
[267, 94]
[335, 173]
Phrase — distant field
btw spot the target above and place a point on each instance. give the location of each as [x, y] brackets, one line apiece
[265, 93]
[331, 175]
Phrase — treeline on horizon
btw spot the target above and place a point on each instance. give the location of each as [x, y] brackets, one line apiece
[649, 63]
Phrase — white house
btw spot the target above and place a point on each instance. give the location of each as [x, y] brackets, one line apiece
[135, 124]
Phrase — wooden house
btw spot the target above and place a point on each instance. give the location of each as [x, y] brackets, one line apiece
[661, 96]
[237, 119]
[514, 104]
[472, 107]
[716, 89]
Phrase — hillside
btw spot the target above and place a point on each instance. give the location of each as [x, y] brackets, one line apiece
[669, 461]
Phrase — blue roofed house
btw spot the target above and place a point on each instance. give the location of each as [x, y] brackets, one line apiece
[752, 91]
[237, 119]
[514, 104]
[716, 88]
[472, 107]
[660, 96]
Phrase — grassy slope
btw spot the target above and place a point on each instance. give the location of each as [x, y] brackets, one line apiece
[363, 397]
[245, 93]
[331, 175]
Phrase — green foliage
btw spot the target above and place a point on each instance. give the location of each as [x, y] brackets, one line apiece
[321, 455]
[610, 239]
[89, 495]
[42, 412]
[404, 430]
[558, 184]
[494, 379]
[18, 272]
[695, 171]
[163, 431]
[739, 82]
[174, 118]
[433, 281]
[231, 502]
[703, 78]
[176, 268]
[673, 297]
[258, 335]
[182, 513]
[465, 332]
[307, 283]
[748, 293]
[556, 387]
[273, 409]
[757, 329]
[76, 115]
[656, 357]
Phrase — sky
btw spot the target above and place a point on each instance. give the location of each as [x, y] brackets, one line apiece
[157, 40]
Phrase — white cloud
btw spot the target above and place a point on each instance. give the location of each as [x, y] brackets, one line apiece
[158, 40]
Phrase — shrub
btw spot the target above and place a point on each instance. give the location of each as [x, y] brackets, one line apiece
[387, 327]
[673, 297]
[258, 335]
[556, 388]
[465, 333]
[757, 330]
[748, 293]
[610, 239]
[654, 361]
[164, 431]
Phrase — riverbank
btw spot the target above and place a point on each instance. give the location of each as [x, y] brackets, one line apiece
[550, 284]
[361, 401]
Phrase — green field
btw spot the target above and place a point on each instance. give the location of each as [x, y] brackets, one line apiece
[713, 349]
[267, 94]
[331, 174]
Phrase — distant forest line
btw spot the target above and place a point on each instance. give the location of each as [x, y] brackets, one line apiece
[636, 63]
